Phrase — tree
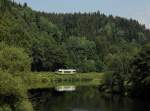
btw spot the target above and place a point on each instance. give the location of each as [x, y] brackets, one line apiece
[102, 46]
[14, 60]
[87, 37]
[47, 55]
[82, 52]
[140, 72]
[14, 93]
[25, 5]
[88, 66]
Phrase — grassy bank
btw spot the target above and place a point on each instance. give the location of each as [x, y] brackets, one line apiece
[49, 80]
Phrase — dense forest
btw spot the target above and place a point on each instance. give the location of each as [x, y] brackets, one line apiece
[88, 42]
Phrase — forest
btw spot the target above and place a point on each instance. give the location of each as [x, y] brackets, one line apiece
[89, 42]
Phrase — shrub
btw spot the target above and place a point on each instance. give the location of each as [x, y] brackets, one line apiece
[24, 105]
[14, 89]
[5, 108]
[10, 85]
[14, 60]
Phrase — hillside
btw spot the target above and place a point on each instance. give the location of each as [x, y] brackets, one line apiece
[85, 41]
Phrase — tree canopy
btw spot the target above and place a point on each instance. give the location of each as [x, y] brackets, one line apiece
[14, 59]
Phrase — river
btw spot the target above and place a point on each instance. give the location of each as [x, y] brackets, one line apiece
[84, 99]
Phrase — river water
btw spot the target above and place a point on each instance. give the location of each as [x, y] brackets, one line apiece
[84, 99]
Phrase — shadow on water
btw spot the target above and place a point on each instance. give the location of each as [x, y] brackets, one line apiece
[83, 99]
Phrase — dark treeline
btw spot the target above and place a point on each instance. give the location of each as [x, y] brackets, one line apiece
[88, 42]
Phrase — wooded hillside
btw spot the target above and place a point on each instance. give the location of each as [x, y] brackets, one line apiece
[85, 41]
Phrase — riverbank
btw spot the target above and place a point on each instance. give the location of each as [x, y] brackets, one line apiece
[40, 80]
[15, 88]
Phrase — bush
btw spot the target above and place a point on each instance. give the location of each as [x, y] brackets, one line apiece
[5, 108]
[140, 72]
[24, 105]
[14, 60]
[10, 85]
[88, 66]
[13, 88]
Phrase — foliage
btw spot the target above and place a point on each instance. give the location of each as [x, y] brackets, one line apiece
[13, 92]
[47, 56]
[10, 85]
[70, 40]
[107, 82]
[88, 42]
[14, 60]
[5, 108]
[140, 72]
[24, 105]
[82, 53]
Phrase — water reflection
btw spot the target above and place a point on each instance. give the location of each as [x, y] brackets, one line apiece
[65, 88]
[85, 99]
